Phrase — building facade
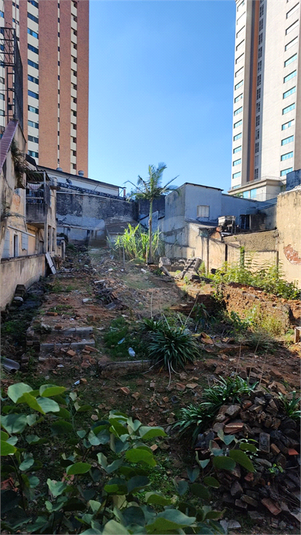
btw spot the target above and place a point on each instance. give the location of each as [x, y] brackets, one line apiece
[267, 95]
[53, 38]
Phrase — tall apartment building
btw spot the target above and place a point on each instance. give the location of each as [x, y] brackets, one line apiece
[53, 37]
[267, 96]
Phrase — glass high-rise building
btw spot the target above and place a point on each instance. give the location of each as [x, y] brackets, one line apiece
[267, 95]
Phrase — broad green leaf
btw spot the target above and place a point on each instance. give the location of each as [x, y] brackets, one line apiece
[169, 521]
[48, 405]
[26, 464]
[84, 408]
[12, 440]
[211, 482]
[33, 481]
[32, 419]
[181, 486]
[248, 447]
[93, 439]
[31, 402]
[133, 516]
[39, 525]
[134, 424]
[78, 468]
[61, 427]
[138, 455]
[137, 483]
[95, 506]
[64, 413]
[241, 458]
[102, 460]
[214, 515]
[228, 439]
[199, 490]
[223, 463]
[110, 468]
[14, 423]
[91, 531]
[82, 433]
[7, 449]
[147, 433]
[48, 391]
[114, 528]
[154, 498]
[116, 486]
[73, 396]
[56, 487]
[3, 436]
[17, 390]
[32, 439]
[116, 427]
[193, 473]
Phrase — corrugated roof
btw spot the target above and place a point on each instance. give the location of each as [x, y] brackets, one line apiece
[6, 141]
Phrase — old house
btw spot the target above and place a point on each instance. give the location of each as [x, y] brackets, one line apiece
[28, 216]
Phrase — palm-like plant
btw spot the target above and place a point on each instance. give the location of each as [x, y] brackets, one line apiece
[150, 189]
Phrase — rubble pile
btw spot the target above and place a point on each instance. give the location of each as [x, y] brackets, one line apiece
[275, 484]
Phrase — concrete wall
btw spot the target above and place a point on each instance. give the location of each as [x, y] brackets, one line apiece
[22, 270]
[289, 228]
[81, 214]
[236, 206]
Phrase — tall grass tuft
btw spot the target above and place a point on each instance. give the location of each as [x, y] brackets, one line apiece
[135, 243]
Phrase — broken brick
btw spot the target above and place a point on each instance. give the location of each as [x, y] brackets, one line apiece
[271, 506]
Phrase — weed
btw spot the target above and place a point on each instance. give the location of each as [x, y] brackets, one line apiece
[135, 243]
[291, 405]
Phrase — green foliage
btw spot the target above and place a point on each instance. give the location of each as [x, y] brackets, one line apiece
[269, 279]
[101, 474]
[291, 405]
[193, 419]
[135, 243]
[169, 345]
[120, 337]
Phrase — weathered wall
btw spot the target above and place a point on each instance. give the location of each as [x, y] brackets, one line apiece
[22, 270]
[255, 241]
[289, 228]
[90, 213]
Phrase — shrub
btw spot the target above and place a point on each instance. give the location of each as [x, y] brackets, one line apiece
[99, 478]
[135, 243]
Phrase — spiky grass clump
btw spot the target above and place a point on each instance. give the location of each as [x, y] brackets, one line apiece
[171, 346]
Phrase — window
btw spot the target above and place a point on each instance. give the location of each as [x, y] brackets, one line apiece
[240, 5]
[261, 25]
[290, 60]
[31, 32]
[33, 153]
[32, 2]
[288, 124]
[258, 93]
[239, 33]
[256, 147]
[291, 43]
[259, 52]
[32, 94]
[289, 92]
[239, 84]
[240, 45]
[292, 11]
[2, 96]
[285, 171]
[239, 72]
[259, 66]
[291, 27]
[288, 108]
[32, 17]
[74, 166]
[236, 175]
[34, 110]
[237, 149]
[2, 14]
[203, 210]
[237, 162]
[289, 76]
[238, 136]
[257, 134]
[33, 139]
[238, 98]
[239, 58]
[237, 124]
[258, 107]
[239, 110]
[255, 178]
[33, 64]
[287, 140]
[33, 49]
[32, 124]
[287, 155]
[261, 10]
[240, 19]
[32, 79]
[260, 38]
[258, 80]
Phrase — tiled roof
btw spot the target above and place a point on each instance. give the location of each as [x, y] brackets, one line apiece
[6, 141]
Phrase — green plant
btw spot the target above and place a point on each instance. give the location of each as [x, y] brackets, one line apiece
[291, 405]
[120, 336]
[171, 346]
[97, 483]
[276, 469]
[195, 419]
[135, 243]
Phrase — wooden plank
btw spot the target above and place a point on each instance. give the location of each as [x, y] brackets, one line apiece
[50, 263]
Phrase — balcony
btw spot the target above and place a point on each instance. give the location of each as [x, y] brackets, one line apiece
[37, 201]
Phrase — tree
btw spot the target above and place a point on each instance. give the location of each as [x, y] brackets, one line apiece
[149, 190]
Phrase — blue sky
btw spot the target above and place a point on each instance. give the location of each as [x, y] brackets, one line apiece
[161, 90]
